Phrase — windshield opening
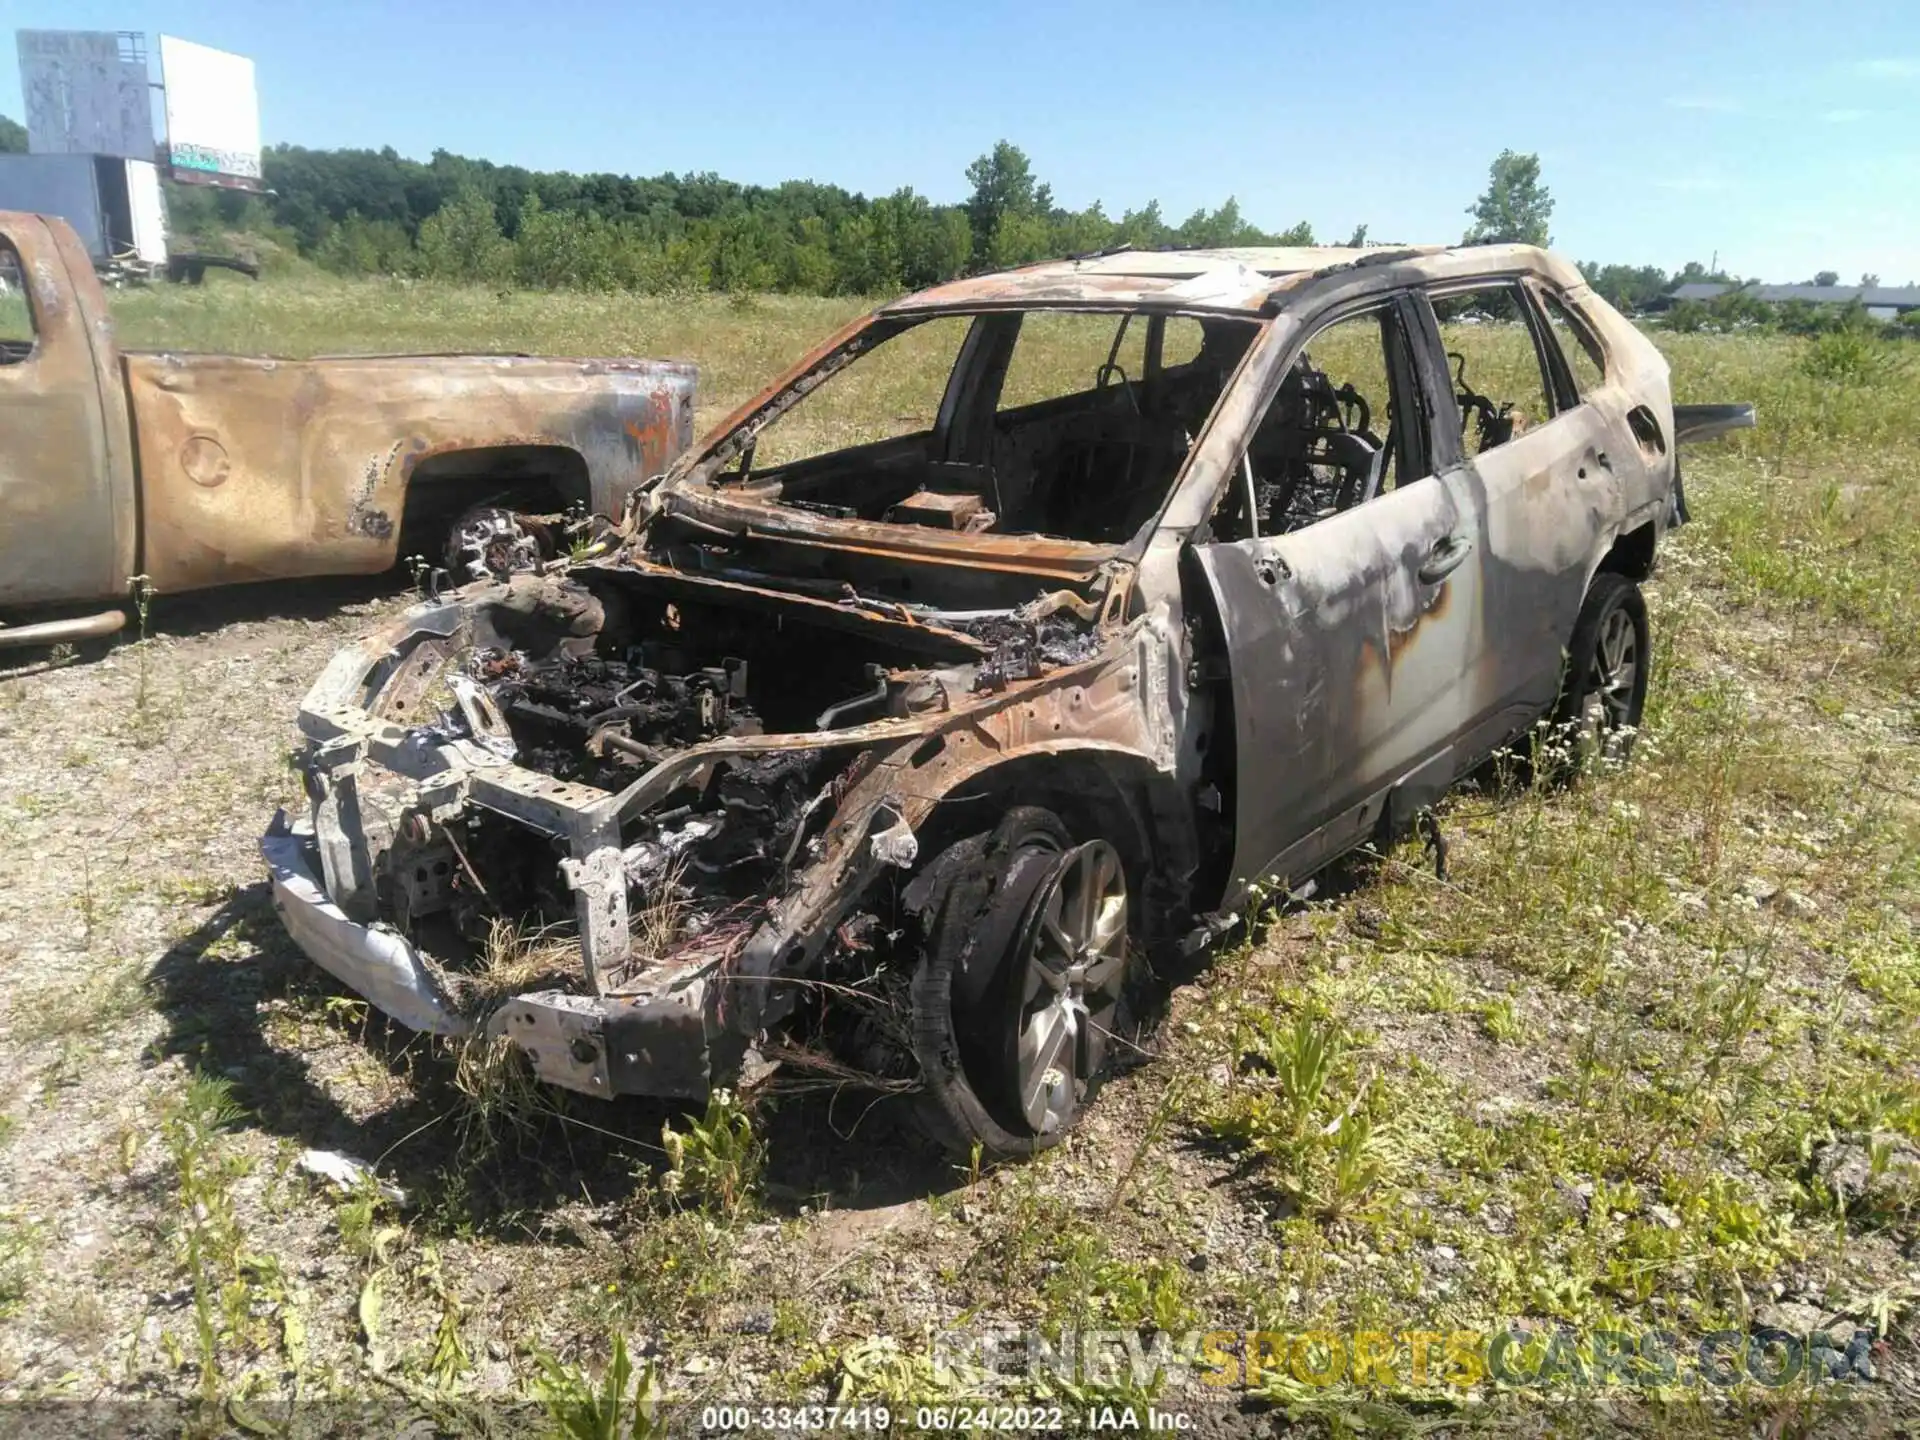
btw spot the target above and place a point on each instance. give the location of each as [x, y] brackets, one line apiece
[1070, 424]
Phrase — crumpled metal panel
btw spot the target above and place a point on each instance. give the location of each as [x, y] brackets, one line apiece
[378, 962]
[256, 469]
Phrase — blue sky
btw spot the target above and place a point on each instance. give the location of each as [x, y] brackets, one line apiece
[1784, 137]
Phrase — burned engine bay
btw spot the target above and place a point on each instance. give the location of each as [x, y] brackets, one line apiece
[564, 693]
[607, 795]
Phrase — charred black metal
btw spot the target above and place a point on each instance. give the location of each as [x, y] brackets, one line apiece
[1024, 649]
[590, 718]
[834, 714]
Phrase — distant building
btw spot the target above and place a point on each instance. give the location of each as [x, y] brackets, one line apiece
[1883, 302]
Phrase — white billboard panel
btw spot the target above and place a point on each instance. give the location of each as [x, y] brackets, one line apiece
[86, 93]
[213, 114]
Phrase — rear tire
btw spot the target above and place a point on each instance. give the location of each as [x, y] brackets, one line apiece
[1603, 694]
[1020, 983]
[491, 542]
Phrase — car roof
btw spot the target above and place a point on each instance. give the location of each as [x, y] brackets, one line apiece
[1245, 279]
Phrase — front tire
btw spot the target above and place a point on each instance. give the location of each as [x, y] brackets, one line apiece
[1020, 986]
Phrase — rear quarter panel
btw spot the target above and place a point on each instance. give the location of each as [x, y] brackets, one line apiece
[256, 469]
[1637, 375]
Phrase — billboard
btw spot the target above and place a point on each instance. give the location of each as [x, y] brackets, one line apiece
[213, 115]
[86, 93]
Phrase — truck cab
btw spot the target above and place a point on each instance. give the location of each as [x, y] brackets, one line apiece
[69, 526]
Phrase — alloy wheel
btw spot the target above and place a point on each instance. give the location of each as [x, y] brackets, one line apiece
[1073, 964]
[1612, 683]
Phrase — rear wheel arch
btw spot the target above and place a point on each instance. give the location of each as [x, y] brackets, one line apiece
[1631, 554]
[446, 484]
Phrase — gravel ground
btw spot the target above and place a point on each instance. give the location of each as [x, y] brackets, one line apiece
[139, 949]
[139, 946]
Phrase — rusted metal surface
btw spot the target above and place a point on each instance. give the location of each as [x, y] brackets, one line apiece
[739, 511]
[255, 469]
[200, 470]
[761, 711]
[67, 509]
[1112, 704]
[1240, 280]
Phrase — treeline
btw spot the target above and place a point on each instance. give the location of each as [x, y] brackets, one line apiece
[1634, 288]
[1639, 288]
[1740, 310]
[367, 212]
[361, 212]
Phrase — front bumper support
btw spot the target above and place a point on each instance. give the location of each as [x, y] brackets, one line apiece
[374, 960]
[665, 1044]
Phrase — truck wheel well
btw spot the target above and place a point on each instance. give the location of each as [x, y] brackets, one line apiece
[518, 477]
[1632, 554]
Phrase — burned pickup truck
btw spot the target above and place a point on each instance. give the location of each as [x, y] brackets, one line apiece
[180, 471]
[1003, 643]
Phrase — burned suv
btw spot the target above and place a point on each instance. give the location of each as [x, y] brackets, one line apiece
[1006, 641]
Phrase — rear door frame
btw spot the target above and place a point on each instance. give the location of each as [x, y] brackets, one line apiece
[1636, 454]
[1549, 503]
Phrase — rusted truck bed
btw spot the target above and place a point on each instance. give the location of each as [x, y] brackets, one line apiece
[256, 469]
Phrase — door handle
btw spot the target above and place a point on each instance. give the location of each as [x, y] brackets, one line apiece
[1444, 558]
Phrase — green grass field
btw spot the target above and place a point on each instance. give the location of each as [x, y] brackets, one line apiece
[738, 345]
[1648, 1059]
